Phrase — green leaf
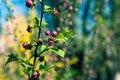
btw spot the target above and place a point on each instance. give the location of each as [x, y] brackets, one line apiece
[46, 7]
[41, 67]
[59, 52]
[43, 24]
[51, 71]
[43, 48]
[28, 71]
[61, 37]
[24, 65]
[11, 58]
[45, 64]
[68, 33]
[36, 20]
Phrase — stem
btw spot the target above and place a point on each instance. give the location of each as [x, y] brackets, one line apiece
[35, 52]
[40, 24]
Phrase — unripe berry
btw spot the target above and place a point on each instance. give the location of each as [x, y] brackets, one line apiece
[29, 3]
[54, 34]
[35, 76]
[40, 42]
[47, 33]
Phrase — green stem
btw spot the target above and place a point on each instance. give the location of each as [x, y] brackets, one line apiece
[35, 52]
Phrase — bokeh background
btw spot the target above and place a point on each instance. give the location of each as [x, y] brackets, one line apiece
[94, 52]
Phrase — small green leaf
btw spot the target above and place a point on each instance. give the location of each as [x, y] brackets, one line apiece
[46, 7]
[45, 64]
[59, 52]
[36, 20]
[11, 58]
[24, 65]
[61, 37]
[51, 71]
[28, 71]
[68, 33]
[43, 24]
[43, 48]
[41, 67]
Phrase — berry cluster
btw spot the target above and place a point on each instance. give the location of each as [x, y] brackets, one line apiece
[40, 41]
[27, 46]
[51, 39]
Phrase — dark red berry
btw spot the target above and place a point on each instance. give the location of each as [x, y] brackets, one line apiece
[29, 29]
[54, 34]
[29, 3]
[40, 42]
[29, 46]
[47, 33]
[24, 45]
[36, 76]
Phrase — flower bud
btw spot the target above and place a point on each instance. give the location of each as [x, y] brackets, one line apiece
[54, 34]
[35, 76]
[24, 45]
[27, 46]
[29, 3]
[47, 33]
[55, 12]
[51, 42]
[40, 42]
[29, 29]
